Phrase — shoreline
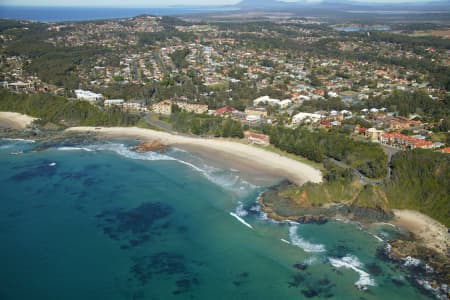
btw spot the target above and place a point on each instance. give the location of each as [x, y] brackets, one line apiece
[255, 165]
[246, 158]
[426, 230]
[15, 120]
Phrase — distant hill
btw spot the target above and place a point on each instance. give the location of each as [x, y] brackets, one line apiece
[441, 6]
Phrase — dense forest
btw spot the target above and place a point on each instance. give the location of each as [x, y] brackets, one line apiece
[59, 110]
[406, 103]
[421, 181]
[205, 124]
[367, 158]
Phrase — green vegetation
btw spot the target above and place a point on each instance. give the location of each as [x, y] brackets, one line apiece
[421, 181]
[367, 158]
[179, 58]
[52, 64]
[205, 125]
[59, 110]
[419, 102]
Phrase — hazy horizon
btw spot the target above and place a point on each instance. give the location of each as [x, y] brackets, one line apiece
[169, 3]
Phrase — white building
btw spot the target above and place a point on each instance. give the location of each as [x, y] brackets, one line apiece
[265, 100]
[273, 102]
[285, 103]
[111, 102]
[303, 117]
[88, 95]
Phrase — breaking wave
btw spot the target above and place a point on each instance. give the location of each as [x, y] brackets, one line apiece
[241, 220]
[352, 262]
[300, 242]
[240, 210]
[19, 140]
[8, 143]
[74, 149]
[226, 179]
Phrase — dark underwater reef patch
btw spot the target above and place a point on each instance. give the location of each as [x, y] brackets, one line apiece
[174, 265]
[135, 226]
[41, 169]
[241, 278]
[310, 287]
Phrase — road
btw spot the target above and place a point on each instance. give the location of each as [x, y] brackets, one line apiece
[152, 119]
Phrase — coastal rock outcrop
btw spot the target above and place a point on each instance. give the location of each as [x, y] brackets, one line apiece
[427, 268]
[279, 205]
[149, 146]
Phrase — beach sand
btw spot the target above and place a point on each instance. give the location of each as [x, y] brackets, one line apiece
[255, 163]
[15, 120]
[432, 233]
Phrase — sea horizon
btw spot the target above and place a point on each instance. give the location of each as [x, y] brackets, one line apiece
[82, 13]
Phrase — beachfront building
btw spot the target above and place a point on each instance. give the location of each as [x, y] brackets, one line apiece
[193, 107]
[134, 106]
[88, 95]
[165, 107]
[404, 141]
[257, 138]
[374, 134]
[113, 102]
[20, 86]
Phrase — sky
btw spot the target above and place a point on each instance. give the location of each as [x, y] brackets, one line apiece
[148, 3]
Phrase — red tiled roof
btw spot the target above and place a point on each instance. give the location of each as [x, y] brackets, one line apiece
[225, 109]
[258, 136]
[446, 150]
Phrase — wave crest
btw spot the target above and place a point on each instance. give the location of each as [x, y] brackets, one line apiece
[352, 262]
[300, 242]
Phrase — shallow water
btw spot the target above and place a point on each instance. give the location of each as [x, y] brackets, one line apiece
[102, 222]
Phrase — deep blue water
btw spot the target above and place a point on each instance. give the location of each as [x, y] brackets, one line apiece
[59, 14]
[99, 221]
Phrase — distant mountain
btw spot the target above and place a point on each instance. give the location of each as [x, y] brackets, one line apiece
[438, 5]
[260, 4]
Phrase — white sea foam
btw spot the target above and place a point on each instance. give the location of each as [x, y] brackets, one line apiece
[300, 242]
[377, 237]
[123, 150]
[241, 220]
[240, 211]
[353, 263]
[74, 149]
[411, 261]
[310, 260]
[52, 164]
[19, 140]
[223, 178]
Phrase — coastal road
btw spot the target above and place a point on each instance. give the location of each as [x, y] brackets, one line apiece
[390, 151]
[362, 178]
[152, 119]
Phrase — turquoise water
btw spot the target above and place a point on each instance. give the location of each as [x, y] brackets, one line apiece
[102, 222]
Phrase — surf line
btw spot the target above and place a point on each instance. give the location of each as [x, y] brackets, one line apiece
[241, 220]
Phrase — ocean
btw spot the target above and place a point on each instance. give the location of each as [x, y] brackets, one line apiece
[60, 14]
[99, 221]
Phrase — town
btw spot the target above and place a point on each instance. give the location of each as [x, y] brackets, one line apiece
[332, 79]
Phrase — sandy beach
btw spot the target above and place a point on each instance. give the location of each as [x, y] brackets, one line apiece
[251, 160]
[15, 120]
[429, 231]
